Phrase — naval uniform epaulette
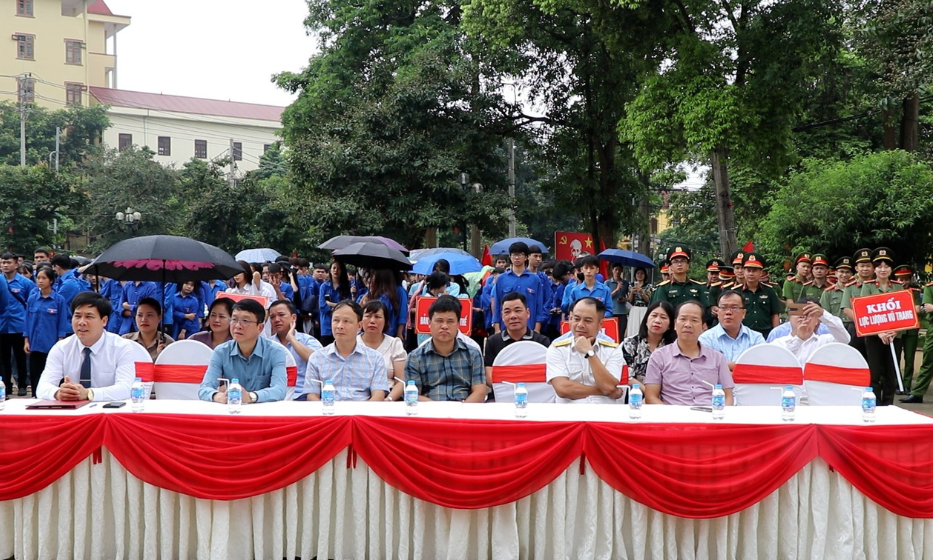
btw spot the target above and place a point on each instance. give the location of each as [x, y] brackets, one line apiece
[564, 342]
[608, 343]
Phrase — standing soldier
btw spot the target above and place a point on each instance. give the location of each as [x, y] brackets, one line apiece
[831, 300]
[925, 375]
[737, 270]
[909, 338]
[679, 288]
[762, 304]
[864, 270]
[793, 287]
[713, 289]
[819, 268]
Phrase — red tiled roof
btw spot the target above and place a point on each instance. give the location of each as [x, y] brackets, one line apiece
[180, 104]
[100, 8]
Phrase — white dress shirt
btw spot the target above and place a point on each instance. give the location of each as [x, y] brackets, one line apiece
[803, 349]
[113, 367]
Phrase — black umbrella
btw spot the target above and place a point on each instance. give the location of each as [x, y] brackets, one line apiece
[372, 255]
[342, 241]
[165, 258]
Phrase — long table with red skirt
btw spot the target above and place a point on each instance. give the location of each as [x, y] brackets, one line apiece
[189, 480]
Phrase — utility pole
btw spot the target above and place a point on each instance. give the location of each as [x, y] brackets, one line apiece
[511, 187]
[232, 167]
[58, 135]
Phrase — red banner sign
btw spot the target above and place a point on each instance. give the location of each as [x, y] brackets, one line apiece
[422, 324]
[893, 311]
[568, 245]
[610, 328]
[263, 300]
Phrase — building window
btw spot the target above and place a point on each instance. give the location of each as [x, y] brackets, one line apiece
[165, 146]
[266, 147]
[73, 93]
[25, 90]
[237, 151]
[200, 149]
[126, 142]
[73, 51]
[24, 8]
[25, 46]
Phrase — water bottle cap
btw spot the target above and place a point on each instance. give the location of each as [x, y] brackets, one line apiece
[234, 380]
[635, 385]
[718, 386]
[139, 379]
[329, 382]
[411, 381]
[789, 388]
[521, 384]
[867, 389]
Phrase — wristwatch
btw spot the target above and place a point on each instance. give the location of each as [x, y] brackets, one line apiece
[590, 354]
[90, 394]
[253, 397]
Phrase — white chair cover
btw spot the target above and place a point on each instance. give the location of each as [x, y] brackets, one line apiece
[836, 374]
[182, 352]
[761, 373]
[522, 353]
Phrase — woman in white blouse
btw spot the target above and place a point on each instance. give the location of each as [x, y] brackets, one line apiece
[374, 335]
[244, 286]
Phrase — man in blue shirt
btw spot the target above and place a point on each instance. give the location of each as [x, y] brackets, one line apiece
[67, 285]
[133, 292]
[258, 363]
[113, 291]
[730, 336]
[13, 324]
[283, 322]
[520, 279]
[589, 287]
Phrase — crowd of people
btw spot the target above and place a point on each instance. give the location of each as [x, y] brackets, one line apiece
[68, 334]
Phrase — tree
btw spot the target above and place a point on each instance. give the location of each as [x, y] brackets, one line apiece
[388, 116]
[730, 87]
[81, 131]
[34, 197]
[877, 199]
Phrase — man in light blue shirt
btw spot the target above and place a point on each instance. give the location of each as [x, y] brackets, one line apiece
[520, 279]
[589, 287]
[358, 371]
[258, 363]
[730, 336]
[283, 322]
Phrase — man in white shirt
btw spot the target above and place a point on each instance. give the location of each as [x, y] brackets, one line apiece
[92, 365]
[802, 341]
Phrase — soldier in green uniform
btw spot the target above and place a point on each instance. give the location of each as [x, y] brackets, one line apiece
[910, 338]
[713, 289]
[679, 288]
[864, 271]
[831, 300]
[925, 375]
[762, 304]
[793, 287]
[737, 270]
[819, 268]
[877, 347]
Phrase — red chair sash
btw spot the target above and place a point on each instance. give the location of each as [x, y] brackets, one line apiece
[834, 374]
[780, 375]
[530, 373]
[144, 370]
[178, 373]
[292, 373]
[623, 379]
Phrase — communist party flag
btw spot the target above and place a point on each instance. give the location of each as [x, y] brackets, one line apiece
[568, 245]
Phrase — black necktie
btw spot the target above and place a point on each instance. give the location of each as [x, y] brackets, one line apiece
[86, 369]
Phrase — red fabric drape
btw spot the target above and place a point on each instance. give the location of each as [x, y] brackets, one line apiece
[222, 457]
[835, 374]
[532, 373]
[175, 373]
[753, 373]
[144, 370]
[35, 451]
[291, 374]
[466, 465]
[688, 470]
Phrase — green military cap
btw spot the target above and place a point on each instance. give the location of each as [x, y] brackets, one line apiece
[903, 270]
[753, 260]
[882, 254]
[844, 262]
[738, 257]
[715, 265]
[678, 251]
[862, 255]
[803, 257]
[820, 258]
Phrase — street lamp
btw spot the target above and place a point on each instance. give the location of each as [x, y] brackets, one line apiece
[130, 218]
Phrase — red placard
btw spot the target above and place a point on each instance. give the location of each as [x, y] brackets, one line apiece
[263, 300]
[892, 311]
[568, 245]
[610, 328]
[422, 320]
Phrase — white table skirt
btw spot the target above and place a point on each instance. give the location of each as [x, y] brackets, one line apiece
[350, 513]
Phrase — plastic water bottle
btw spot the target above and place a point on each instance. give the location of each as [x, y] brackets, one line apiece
[3, 395]
[788, 404]
[234, 396]
[869, 403]
[521, 400]
[719, 402]
[411, 398]
[635, 399]
[137, 395]
[328, 394]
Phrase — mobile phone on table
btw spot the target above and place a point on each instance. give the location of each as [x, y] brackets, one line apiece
[702, 408]
[117, 404]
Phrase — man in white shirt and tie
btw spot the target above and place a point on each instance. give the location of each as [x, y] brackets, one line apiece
[803, 340]
[92, 365]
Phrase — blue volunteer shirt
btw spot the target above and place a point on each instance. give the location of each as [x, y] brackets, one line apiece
[14, 314]
[113, 290]
[47, 320]
[68, 286]
[208, 292]
[526, 283]
[327, 293]
[132, 293]
[181, 307]
[580, 290]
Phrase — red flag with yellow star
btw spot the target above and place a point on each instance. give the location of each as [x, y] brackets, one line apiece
[568, 245]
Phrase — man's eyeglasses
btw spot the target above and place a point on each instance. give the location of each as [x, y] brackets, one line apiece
[245, 322]
[730, 308]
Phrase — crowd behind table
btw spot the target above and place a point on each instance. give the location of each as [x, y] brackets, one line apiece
[355, 327]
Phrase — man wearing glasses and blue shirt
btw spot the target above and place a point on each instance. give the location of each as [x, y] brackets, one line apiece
[258, 363]
[730, 336]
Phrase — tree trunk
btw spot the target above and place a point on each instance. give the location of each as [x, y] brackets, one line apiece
[644, 236]
[724, 209]
[890, 129]
[430, 238]
[910, 122]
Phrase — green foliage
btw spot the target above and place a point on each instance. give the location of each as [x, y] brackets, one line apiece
[33, 198]
[693, 224]
[836, 207]
[82, 129]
